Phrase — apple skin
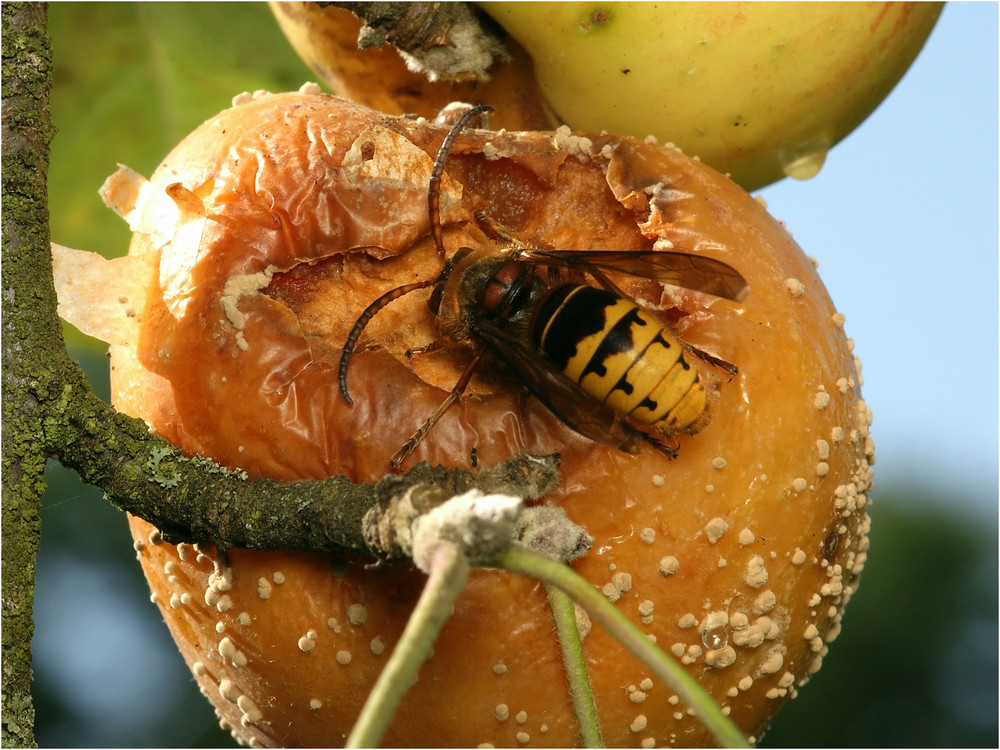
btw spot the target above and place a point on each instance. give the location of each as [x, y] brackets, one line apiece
[757, 90]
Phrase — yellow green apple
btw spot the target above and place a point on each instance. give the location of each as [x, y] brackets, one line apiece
[758, 90]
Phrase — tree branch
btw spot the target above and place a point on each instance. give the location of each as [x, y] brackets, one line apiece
[26, 132]
[196, 500]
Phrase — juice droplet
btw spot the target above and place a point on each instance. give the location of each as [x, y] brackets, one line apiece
[715, 638]
[805, 162]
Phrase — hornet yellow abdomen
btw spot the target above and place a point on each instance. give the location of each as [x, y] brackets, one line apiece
[621, 355]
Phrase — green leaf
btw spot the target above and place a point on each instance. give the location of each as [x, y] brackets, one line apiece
[131, 80]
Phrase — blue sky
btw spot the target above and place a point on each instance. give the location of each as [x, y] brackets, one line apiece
[903, 220]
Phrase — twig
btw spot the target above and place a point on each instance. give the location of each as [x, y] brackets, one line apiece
[575, 666]
[521, 560]
[443, 541]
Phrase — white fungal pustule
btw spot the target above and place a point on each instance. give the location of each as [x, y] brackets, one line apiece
[822, 399]
[357, 614]
[227, 649]
[764, 602]
[795, 287]
[773, 662]
[229, 691]
[715, 528]
[621, 583]
[687, 621]
[639, 723]
[211, 596]
[668, 565]
[756, 572]
[221, 578]
[721, 657]
[263, 588]
[251, 714]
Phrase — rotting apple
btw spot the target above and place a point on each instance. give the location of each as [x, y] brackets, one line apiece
[258, 242]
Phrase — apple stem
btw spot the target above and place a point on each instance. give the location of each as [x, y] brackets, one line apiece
[448, 571]
[575, 666]
[519, 559]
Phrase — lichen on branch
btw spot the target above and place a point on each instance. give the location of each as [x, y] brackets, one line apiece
[27, 302]
[193, 499]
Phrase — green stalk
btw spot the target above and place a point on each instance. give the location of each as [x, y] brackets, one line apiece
[575, 666]
[521, 560]
[449, 570]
